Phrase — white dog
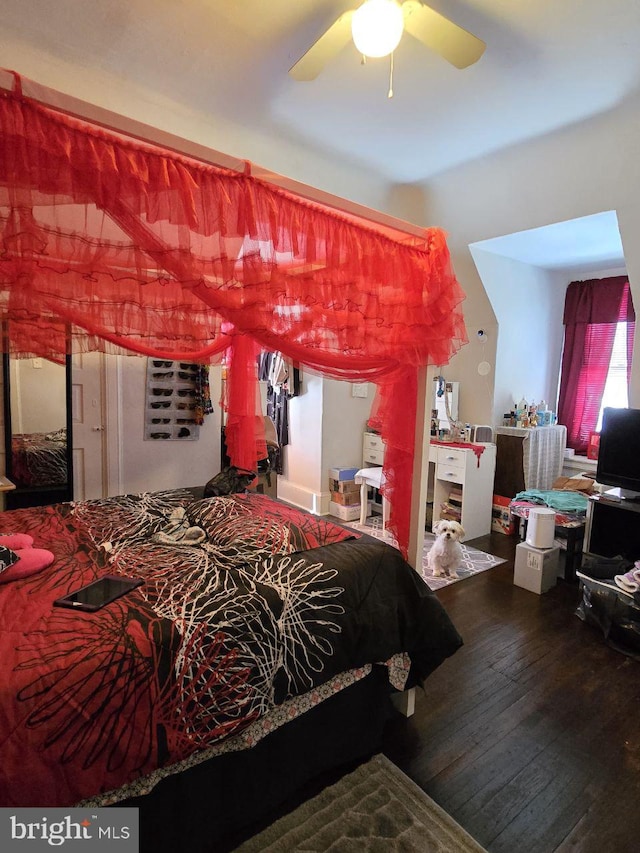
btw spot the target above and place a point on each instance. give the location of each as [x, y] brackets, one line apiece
[446, 554]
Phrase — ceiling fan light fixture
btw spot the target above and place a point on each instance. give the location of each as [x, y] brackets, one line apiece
[376, 27]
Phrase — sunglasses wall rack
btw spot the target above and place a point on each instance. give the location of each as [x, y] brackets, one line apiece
[170, 401]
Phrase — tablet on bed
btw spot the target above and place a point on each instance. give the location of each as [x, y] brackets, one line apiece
[97, 594]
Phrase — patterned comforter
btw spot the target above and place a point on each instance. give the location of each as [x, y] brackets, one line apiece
[271, 604]
[39, 459]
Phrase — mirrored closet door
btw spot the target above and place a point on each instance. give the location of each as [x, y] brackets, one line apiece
[38, 431]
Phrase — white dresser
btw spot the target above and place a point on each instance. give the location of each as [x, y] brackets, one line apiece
[372, 457]
[372, 450]
[461, 468]
[452, 468]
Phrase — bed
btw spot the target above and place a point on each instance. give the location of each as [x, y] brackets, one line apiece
[245, 665]
[39, 459]
[254, 621]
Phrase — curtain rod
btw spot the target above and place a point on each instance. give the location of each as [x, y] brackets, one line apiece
[147, 133]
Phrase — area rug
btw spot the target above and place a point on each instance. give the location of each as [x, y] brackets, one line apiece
[377, 809]
[473, 561]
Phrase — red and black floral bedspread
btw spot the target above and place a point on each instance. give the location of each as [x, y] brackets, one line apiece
[39, 459]
[273, 603]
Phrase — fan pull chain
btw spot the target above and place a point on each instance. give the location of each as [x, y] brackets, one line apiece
[390, 92]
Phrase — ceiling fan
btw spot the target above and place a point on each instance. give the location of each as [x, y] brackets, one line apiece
[386, 20]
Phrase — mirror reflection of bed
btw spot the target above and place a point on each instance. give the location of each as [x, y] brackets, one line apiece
[37, 431]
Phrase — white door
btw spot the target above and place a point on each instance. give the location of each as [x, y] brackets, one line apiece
[87, 406]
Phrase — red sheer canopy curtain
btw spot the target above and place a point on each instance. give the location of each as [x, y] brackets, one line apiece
[139, 248]
[592, 311]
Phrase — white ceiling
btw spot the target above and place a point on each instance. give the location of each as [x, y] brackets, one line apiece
[589, 243]
[548, 63]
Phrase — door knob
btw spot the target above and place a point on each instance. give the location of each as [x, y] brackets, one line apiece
[98, 428]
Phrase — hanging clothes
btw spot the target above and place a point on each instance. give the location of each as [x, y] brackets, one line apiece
[283, 382]
[203, 402]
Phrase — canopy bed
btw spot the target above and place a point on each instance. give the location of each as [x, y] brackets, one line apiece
[109, 242]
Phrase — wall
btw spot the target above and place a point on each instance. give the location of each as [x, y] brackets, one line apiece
[528, 303]
[345, 419]
[326, 423]
[301, 483]
[153, 465]
[38, 395]
[583, 169]
[343, 427]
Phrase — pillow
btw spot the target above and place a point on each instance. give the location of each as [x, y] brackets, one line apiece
[15, 541]
[227, 521]
[258, 520]
[7, 558]
[28, 562]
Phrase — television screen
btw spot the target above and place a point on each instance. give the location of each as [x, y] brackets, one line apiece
[619, 453]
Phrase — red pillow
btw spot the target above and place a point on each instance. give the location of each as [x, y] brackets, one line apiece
[15, 541]
[32, 560]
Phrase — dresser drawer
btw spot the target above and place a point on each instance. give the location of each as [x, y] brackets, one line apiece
[376, 457]
[371, 441]
[372, 449]
[452, 457]
[450, 473]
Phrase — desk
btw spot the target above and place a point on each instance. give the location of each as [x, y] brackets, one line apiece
[464, 468]
[466, 471]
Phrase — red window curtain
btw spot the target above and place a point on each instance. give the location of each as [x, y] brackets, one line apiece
[592, 311]
[139, 248]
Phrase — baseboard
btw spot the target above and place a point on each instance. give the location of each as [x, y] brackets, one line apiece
[299, 496]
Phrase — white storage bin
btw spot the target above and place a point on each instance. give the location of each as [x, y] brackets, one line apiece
[541, 527]
[536, 569]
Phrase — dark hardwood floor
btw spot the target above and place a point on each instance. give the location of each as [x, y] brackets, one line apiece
[529, 736]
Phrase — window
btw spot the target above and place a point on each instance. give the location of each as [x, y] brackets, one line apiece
[616, 389]
[599, 324]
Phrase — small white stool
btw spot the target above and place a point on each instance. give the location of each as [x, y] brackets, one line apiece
[370, 477]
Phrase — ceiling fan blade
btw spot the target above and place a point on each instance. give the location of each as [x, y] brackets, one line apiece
[324, 49]
[452, 42]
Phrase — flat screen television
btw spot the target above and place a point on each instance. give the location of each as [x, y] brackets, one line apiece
[619, 452]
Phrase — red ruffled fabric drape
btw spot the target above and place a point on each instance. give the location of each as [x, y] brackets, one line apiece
[140, 248]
